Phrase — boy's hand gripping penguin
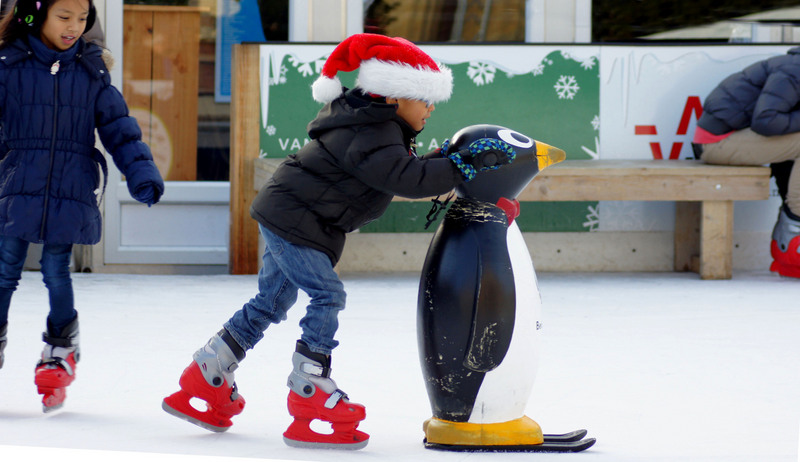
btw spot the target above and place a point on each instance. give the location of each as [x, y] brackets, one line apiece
[482, 154]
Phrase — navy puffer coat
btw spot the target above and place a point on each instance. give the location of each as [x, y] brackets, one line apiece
[764, 96]
[51, 102]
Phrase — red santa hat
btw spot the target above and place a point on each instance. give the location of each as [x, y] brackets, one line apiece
[389, 66]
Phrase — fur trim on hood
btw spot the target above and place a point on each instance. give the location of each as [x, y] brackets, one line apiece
[108, 59]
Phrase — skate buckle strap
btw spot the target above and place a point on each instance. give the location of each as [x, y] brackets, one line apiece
[315, 369]
[334, 398]
[55, 361]
[58, 341]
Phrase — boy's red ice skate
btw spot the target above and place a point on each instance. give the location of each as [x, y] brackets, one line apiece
[314, 395]
[784, 246]
[344, 418]
[210, 378]
[56, 370]
[222, 402]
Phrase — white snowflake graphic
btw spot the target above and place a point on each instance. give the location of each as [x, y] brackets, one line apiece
[280, 78]
[588, 63]
[271, 130]
[592, 218]
[596, 123]
[481, 73]
[596, 153]
[566, 87]
[304, 68]
[539, 69]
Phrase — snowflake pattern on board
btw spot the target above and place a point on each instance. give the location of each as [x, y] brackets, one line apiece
[539, 69]
[592, 218]
[566, 87]
[481, 73]
[305, 69]
[280, 79]
[594, 154]
[588, 63]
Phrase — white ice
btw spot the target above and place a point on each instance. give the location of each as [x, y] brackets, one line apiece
[656, 366]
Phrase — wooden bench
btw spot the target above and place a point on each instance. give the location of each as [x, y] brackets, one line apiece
[704, 196]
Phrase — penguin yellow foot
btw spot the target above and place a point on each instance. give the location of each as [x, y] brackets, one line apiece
[518, 432]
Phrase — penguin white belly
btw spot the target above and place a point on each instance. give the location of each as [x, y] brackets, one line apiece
[505, 390]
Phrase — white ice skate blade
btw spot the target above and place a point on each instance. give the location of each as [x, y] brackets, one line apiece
[191, 419]
[310, 445]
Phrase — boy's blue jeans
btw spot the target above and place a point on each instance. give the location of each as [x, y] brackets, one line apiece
[55, 271]
[287, 268]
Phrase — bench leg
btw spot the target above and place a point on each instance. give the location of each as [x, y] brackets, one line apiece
[716, 240]
[687, 236]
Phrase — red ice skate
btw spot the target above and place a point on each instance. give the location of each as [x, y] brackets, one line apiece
[784, 246]
[56, 370]
[53, 375]
[314, 395]
[786, 263]
[344, 418]
[210, 378]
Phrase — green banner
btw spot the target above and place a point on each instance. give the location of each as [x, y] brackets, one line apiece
[551, 97]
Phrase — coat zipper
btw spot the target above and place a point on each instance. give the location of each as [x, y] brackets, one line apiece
[53, 71]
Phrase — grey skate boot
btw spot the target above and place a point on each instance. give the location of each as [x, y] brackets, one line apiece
[314, 395]
[210, 378]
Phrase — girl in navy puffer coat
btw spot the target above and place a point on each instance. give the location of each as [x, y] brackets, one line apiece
[55, 91]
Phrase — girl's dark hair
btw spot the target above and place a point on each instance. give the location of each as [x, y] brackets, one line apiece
[25, 17]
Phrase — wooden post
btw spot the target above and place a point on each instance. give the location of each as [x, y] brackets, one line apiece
[687, 236]
[716, 240]
[245, 114]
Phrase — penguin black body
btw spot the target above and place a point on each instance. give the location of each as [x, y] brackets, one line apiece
[478, 307]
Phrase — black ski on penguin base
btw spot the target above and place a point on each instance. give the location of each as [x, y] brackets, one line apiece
[576, 435]
[552, 445]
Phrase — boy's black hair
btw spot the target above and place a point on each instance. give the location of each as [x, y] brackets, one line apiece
[26, 17]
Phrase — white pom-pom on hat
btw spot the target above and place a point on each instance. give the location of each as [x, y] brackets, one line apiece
[388, 66]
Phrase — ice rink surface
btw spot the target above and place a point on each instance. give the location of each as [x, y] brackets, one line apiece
[657, 366]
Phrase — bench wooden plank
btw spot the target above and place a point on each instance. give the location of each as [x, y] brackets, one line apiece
[647, 180]
[620, 180]
[703, 194]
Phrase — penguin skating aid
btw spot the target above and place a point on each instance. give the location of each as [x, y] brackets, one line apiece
[478, 311]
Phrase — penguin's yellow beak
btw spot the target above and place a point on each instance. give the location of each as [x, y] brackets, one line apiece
[547, 155]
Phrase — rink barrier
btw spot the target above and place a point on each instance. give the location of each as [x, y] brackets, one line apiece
[703, 194]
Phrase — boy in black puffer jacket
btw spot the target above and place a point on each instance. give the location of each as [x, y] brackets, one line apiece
[361, 154]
